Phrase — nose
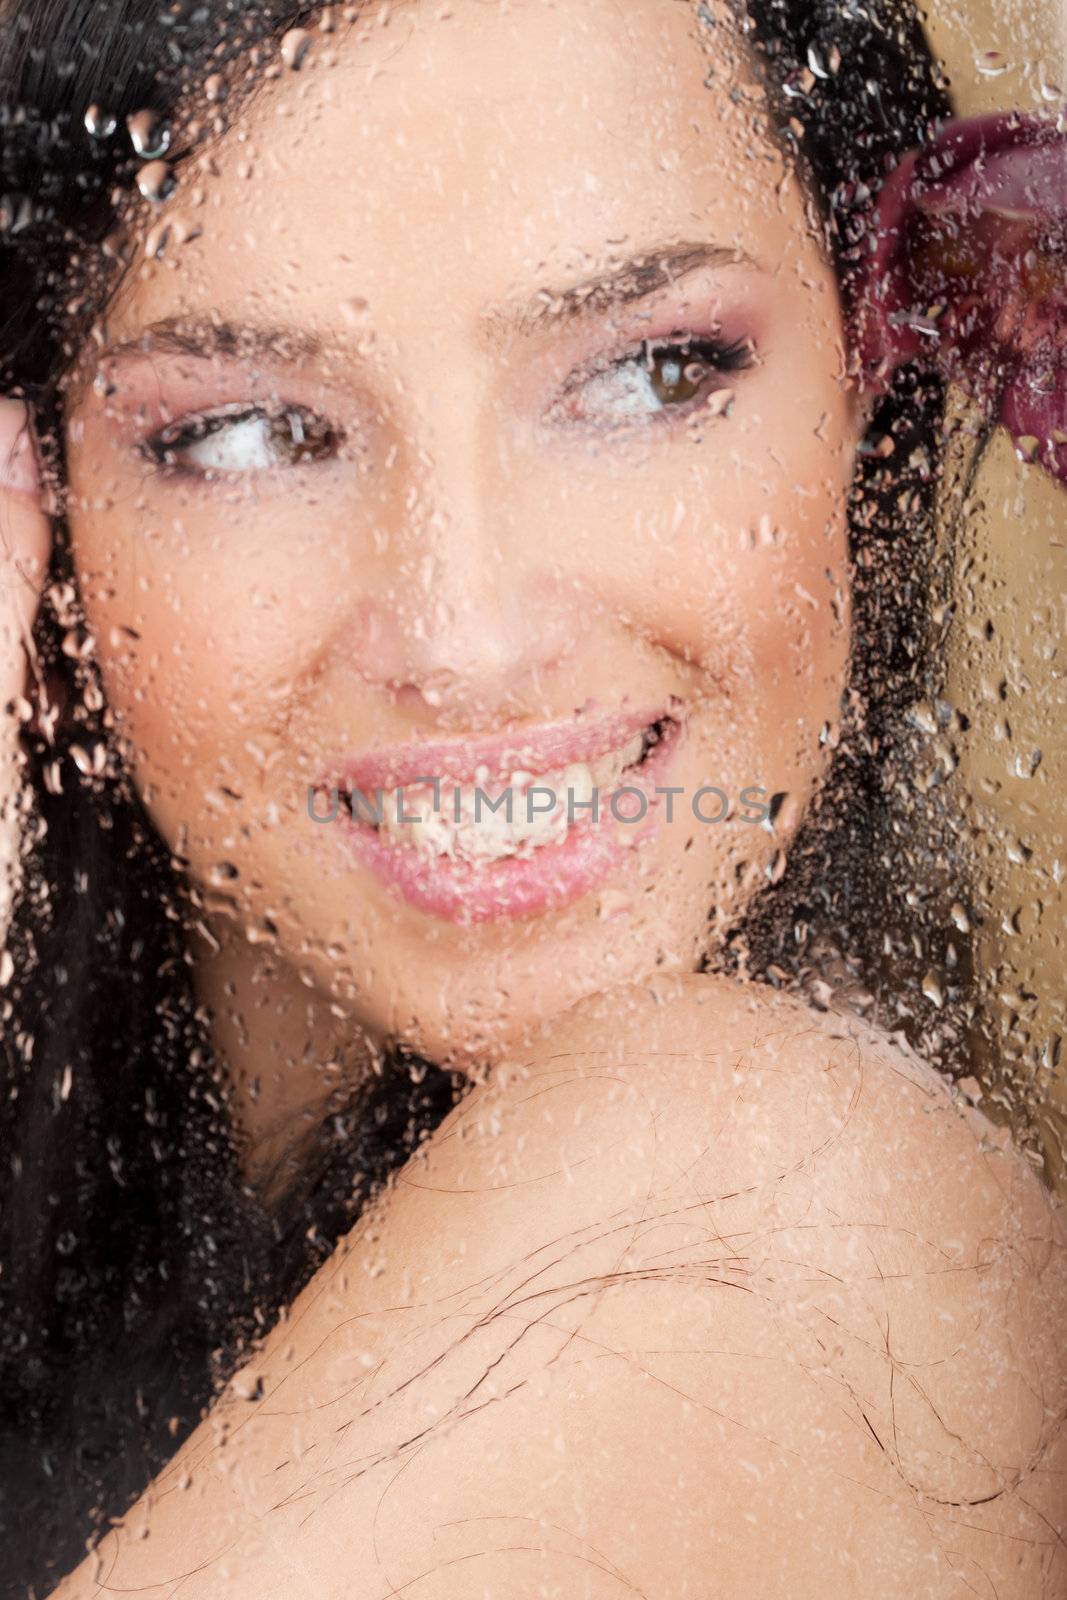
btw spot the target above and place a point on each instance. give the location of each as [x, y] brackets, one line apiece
[470, 621]
[470, 628]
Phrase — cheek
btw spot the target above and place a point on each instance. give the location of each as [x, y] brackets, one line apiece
[730, 559]
[208, 617]
[772, 571]
[797, 608]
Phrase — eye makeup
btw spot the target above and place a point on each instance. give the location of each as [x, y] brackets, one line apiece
[660, 380]
[240, 438]
[645, 381]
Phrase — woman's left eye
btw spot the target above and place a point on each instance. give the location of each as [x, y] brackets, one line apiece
[242, 438]
[659, 377]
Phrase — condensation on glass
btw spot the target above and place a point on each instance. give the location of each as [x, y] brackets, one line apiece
[481, 578]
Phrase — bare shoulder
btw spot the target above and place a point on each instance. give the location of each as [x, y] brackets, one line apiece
[901, 1268]
[701, 1293]
[774, 1081]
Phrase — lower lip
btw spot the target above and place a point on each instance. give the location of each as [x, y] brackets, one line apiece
[553, 876]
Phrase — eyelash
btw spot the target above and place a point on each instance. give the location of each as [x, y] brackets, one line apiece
[718, 356]
[194, 429]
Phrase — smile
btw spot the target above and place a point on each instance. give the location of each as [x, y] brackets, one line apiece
[511, 827]
[489, 822]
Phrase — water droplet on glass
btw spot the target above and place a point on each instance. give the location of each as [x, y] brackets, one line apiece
[156, 240]
[1025, 766]
[354, 310]
[76, 644]
[89, 762]
[612, 903]
[932, 990]
[16, 213]
[149, 134]
[156, 181]
[776, 867]
[99, 124]
[223, 872]
[991, 64]
[294, 48]
[881, 448]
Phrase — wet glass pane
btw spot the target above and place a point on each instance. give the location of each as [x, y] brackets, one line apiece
[532, 982]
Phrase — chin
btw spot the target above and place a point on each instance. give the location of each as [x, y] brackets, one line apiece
[496, 1006]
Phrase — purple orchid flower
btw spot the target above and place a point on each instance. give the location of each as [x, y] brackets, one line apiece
[969, 273]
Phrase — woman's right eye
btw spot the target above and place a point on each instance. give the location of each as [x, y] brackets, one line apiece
[241, 438]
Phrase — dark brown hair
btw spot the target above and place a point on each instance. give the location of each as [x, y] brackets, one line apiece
[134, 1270]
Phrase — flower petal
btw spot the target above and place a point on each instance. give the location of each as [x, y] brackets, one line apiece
[968, 272]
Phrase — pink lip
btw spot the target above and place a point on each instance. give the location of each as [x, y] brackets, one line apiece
[534, 750]
[552, 877]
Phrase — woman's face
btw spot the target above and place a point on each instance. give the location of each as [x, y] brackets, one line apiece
[523, 432]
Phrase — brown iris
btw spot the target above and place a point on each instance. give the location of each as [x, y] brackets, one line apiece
[675, 375]
[295, 434]
[304, 436]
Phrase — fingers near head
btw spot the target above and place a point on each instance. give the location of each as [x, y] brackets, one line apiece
[24, 540]
[24, 535]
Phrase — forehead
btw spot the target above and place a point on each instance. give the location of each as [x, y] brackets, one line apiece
[465, 148]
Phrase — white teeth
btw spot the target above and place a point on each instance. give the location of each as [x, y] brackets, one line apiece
[488, 835]
[578, 784]
[632, 751]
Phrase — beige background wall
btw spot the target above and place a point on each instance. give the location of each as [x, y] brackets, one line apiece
[1013, 685]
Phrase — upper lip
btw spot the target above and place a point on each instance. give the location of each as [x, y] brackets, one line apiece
[535, 750]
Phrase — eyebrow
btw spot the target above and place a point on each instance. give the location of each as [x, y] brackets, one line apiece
[188, 336]
[634, 279]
